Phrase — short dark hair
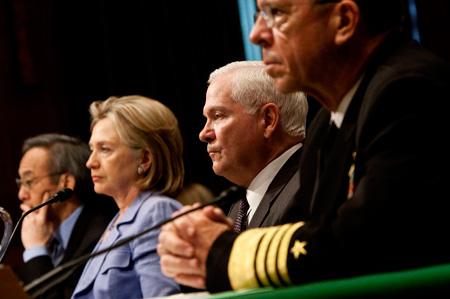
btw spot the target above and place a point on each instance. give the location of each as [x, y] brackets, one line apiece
[66, 155]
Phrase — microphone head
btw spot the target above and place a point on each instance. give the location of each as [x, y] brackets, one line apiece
[61, 195]
[231, 194]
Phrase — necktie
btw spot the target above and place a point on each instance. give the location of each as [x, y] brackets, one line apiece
[56, 251]
[329, 140]
[327, 143]
[239, 224]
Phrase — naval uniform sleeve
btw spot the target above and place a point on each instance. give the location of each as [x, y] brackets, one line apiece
[255, 258]
[217, 263]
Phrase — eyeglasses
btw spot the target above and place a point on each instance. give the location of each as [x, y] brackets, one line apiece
[276, 16]
[28, 183]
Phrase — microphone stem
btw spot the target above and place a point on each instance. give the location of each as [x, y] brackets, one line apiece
[60, 196]
[17, 225]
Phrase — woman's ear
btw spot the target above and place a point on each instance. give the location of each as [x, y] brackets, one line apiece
[271, 115]
[346, 19]
[146, 160]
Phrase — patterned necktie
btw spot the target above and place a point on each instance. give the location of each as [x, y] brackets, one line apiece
[56, 251]
[239, 224]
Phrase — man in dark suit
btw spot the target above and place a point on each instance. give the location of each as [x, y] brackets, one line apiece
[374, 170]
[60, 232]
[253, 139]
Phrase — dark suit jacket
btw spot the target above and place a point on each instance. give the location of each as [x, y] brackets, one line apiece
[397, 217]
[88, 229]
[278, 197]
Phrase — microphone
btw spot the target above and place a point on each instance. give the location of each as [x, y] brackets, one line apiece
[42, 284]
[60, 196]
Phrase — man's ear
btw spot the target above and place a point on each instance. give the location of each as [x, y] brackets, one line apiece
[345, 18]
[271, 115]
[66, 180]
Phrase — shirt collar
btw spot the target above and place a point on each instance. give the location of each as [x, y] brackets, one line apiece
[338, 116]
[261, 182]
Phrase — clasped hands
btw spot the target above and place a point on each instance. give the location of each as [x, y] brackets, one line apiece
[185, 242]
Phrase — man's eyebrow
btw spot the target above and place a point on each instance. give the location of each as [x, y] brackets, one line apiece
[28, 172]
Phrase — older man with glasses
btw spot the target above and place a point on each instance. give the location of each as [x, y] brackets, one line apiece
[374, 169]
[60, 232]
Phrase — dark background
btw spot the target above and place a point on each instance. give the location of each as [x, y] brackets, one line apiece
[57, 56]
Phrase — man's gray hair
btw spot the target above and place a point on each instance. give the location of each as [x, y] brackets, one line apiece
[253, 87]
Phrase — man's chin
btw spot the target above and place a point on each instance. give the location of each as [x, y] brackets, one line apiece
[273, 70]
[284, 85]
[217, 169]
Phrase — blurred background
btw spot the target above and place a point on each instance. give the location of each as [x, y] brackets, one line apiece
[57, 56]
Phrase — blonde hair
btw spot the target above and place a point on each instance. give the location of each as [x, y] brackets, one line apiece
[146, 124]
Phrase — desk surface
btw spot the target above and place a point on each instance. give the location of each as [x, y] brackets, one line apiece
[427, 282]
[416, 282]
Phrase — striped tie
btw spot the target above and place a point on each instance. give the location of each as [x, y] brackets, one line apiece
[239, 224]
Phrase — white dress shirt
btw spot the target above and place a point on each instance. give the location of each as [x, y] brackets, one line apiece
[261, 182]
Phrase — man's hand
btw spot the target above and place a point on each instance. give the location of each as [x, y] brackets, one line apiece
[36, 229]
[184, 244]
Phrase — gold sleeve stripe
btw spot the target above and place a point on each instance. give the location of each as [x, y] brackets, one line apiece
[272, 251]
[241, 265]
[283, 253]
[260, 263]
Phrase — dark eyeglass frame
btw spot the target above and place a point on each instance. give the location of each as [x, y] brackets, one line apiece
[27, 184]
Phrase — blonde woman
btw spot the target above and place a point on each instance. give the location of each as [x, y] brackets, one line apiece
[136, 159]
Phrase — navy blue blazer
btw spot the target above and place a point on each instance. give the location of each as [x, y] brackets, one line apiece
[381, 202]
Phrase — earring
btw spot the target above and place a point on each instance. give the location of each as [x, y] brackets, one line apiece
[140, 170]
